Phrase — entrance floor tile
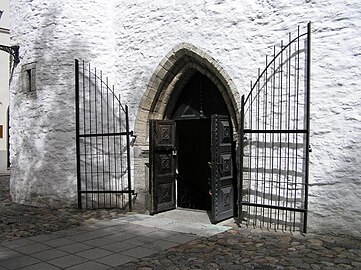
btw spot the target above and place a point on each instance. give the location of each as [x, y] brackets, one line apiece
[115, 260]
[75, 248]
[89, 266]
[139, 252]
[67, 261]
[99, 242]
[49, 254]
[41, 266]
[58, 242]
[180, 238]
[33, 248]
[119, 246]
[19, 262]
[7, 253]
[94, 253]
[160, 245]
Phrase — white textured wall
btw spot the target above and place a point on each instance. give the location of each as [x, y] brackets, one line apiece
[52, 34]
[4, 83]
[127, 39]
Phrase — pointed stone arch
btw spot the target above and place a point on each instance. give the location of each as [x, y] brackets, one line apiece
[161, 95]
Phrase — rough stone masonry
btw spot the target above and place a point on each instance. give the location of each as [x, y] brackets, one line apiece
[128, 40]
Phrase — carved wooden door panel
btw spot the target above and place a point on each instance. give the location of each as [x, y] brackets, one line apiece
[162, 164]
[222, 169]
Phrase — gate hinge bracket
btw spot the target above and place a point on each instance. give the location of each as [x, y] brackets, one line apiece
[13, 51]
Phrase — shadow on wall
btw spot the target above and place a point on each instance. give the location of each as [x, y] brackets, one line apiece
[43, 119]
[102, 143]
[276, 115]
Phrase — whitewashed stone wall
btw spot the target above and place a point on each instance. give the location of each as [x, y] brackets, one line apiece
[128, 39]
[4, 85]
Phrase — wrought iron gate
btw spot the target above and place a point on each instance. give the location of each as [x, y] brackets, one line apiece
[102, 142]
[275, 122]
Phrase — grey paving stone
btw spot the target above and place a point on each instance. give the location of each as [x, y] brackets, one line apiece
[40, 266]
[160, 245]
[75, 248]
[7, 253]
[138, 252]
[89, 266]
[33, 248]
[107, 223]
[43, 237]
[160, 234]
[112, 230]
[19, 262]
[99, 242]
[123, 226]
[138, 241]
[17, 243]
[94, 253]
[130, 242]
[58, 242]
[49, 254]
[119, 246]
[105, 232]
[67, 261]
[180, 238]
[122, 236]
[142, 239]
[140, 230]
[85, 236]
[91, 227]
[89, 235]
[68, 232]
[115, 259]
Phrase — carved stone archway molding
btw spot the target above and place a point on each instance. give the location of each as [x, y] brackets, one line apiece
[161, 95]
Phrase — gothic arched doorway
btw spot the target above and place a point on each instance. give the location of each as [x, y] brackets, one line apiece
[192, 164]
[159, 108]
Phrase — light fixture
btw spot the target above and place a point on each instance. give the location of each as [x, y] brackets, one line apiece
[13, 50]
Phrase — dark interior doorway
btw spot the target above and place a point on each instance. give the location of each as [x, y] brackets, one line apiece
[199, 100]
[194, 157]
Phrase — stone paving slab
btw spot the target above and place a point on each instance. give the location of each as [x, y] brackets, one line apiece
[64, 239]
[107, 247]
[184, 221]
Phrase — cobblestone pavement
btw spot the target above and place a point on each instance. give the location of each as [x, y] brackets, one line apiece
[257, 249]
[18, 221]
[238, 248]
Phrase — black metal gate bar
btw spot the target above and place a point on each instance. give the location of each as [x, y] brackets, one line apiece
[274, 131]
[308, 76]
[103, 158]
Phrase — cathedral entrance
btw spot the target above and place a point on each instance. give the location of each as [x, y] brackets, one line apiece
[192, 153]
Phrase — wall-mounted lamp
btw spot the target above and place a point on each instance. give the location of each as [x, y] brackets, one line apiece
[13, 50]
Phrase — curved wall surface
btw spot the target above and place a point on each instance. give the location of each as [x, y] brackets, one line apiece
[129, 39]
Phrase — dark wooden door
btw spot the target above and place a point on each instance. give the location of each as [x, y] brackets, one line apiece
[222, 169]
[162, 164]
